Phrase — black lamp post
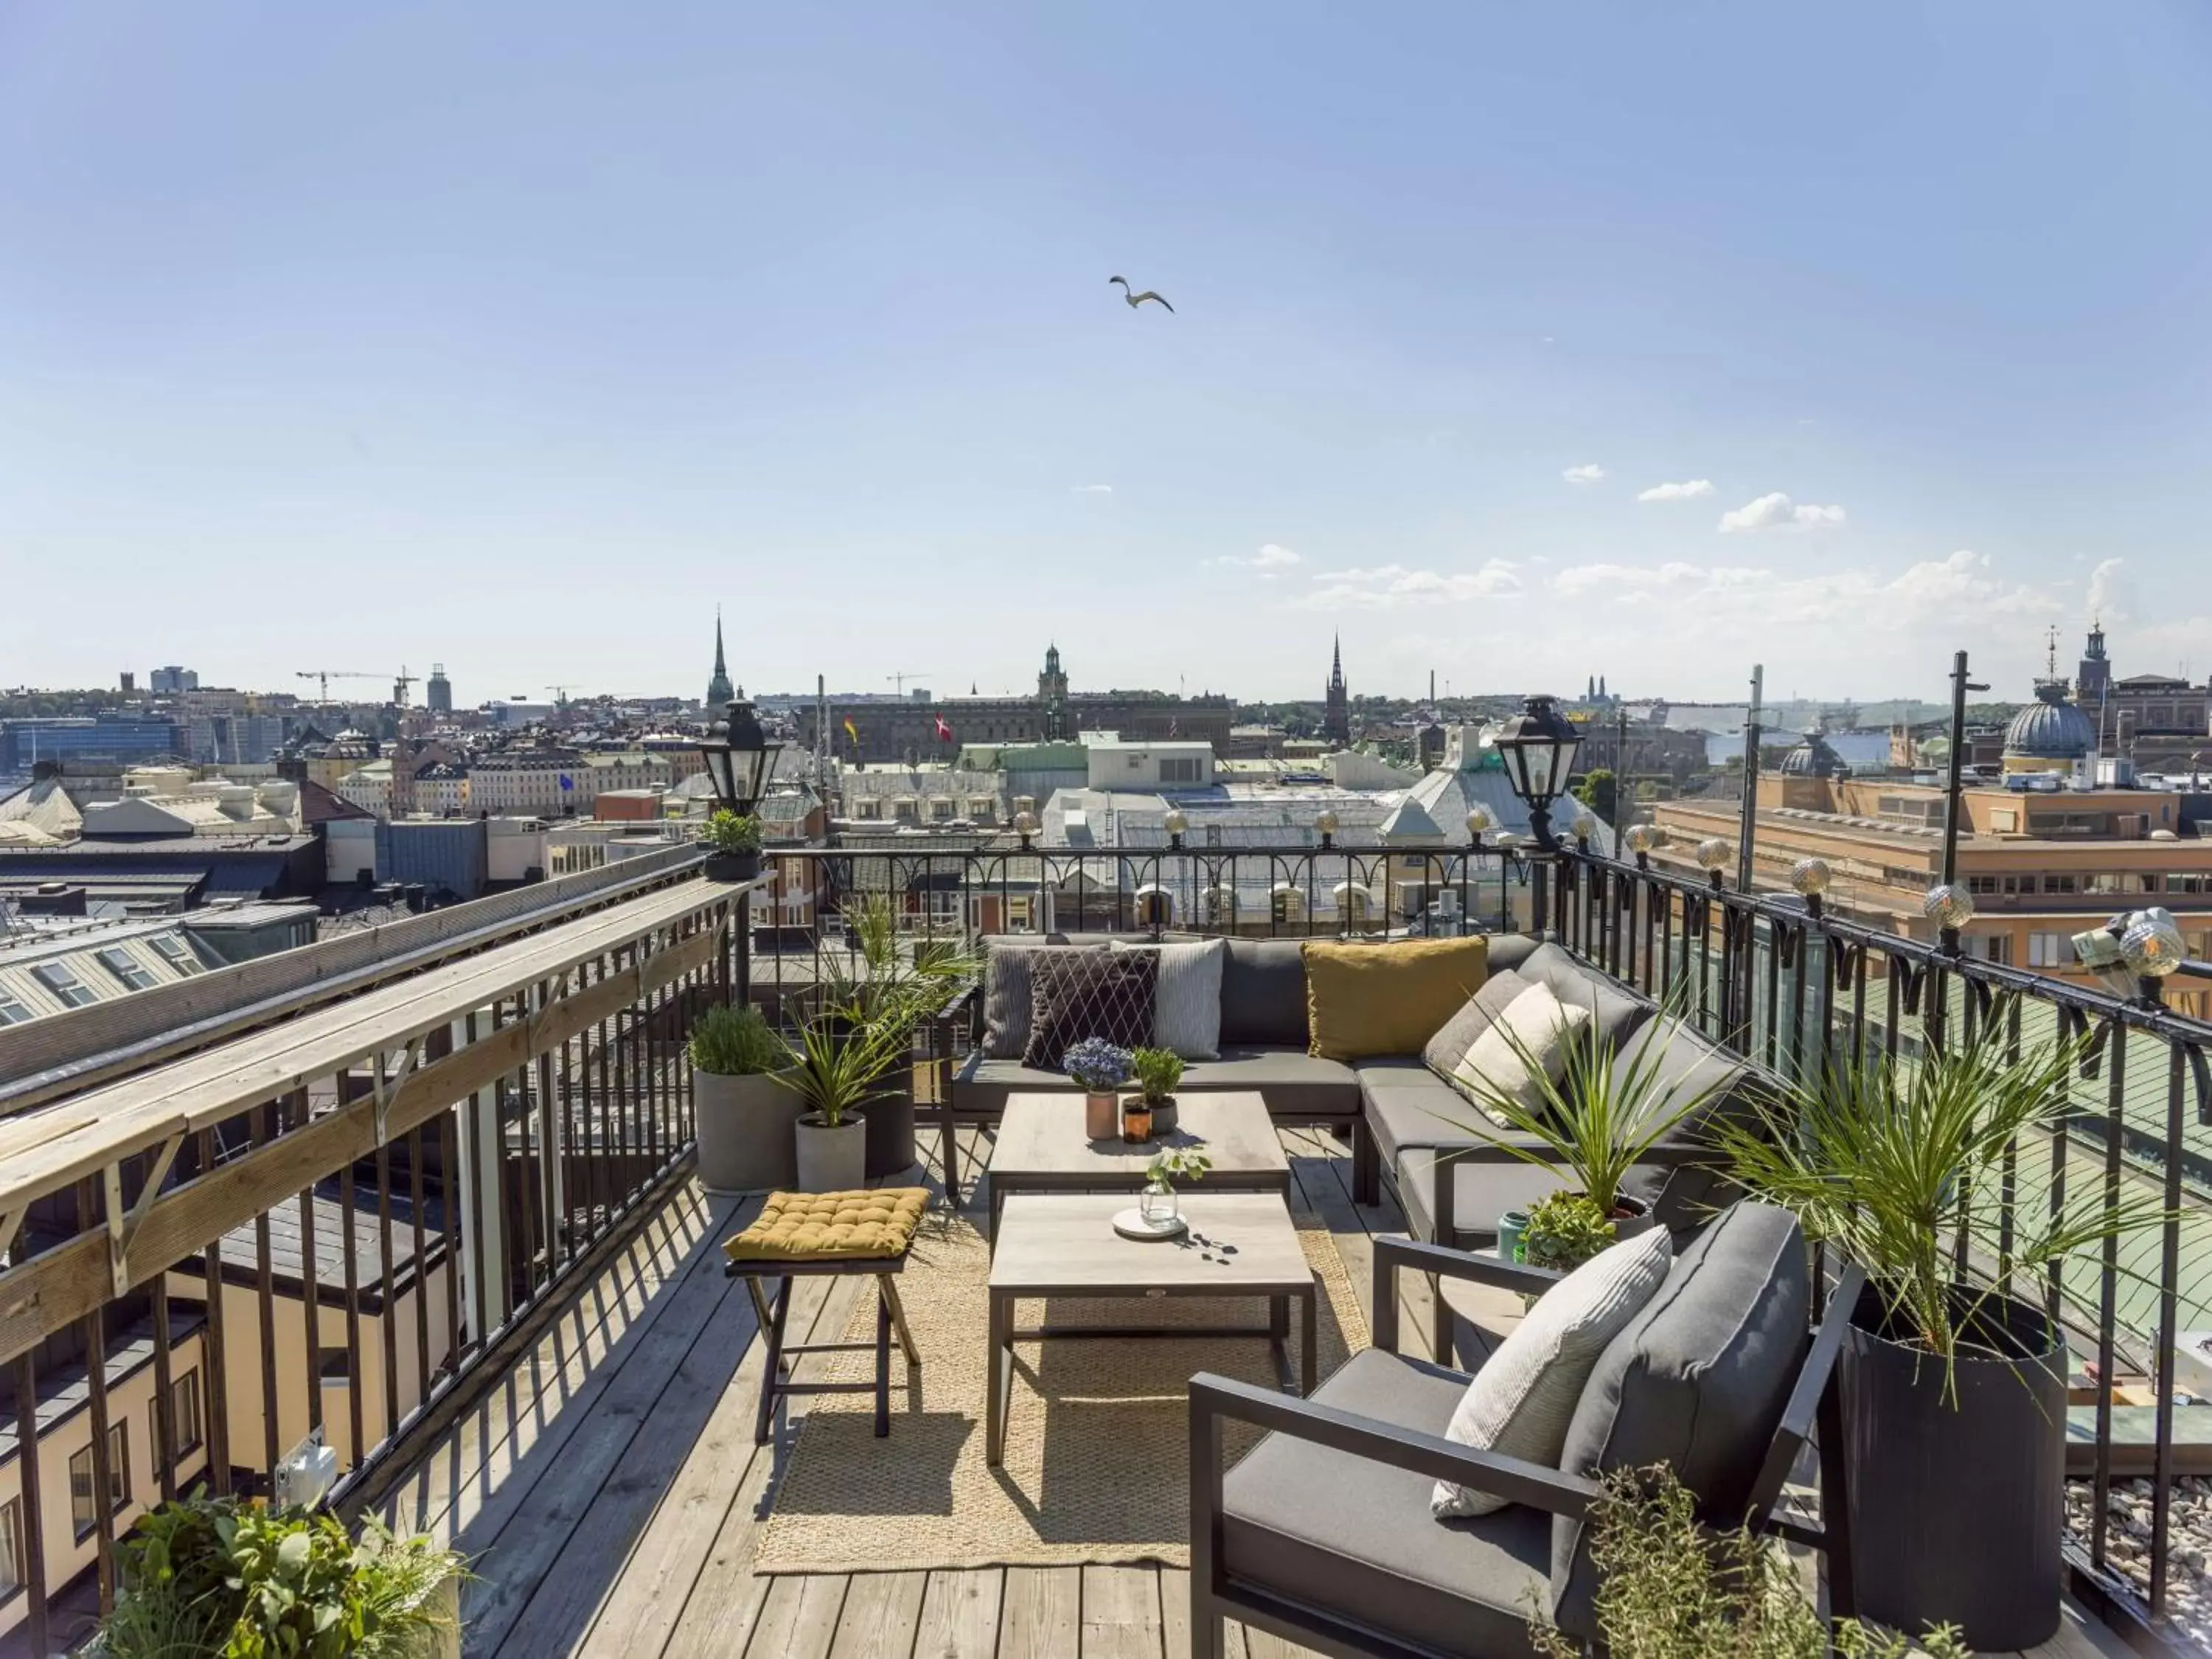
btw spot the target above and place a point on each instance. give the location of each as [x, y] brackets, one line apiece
[739, 755]
[1538, 746]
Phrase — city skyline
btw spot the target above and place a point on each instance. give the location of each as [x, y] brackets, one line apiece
[1510, 346]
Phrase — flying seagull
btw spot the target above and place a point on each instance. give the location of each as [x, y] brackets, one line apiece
[1136, 300]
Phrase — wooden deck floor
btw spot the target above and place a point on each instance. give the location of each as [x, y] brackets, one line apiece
[609, 1490]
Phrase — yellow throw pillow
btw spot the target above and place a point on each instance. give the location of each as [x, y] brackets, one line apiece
[1364, 999]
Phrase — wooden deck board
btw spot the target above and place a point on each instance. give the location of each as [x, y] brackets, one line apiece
[616, 1497]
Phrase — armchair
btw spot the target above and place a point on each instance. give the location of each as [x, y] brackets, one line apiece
[1323, 1536]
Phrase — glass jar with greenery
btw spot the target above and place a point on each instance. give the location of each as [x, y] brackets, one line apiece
[1158, 1203]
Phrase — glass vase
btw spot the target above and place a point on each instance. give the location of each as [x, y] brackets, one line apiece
[1158, 1205]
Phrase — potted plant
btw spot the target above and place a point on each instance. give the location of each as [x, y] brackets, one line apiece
[734, 845]
[742, 1120]
[1158, 1070]
[1596, 1120]
[1670, 1587]
[835, 1073]
[1101, 1068]
[221, 1576]
[1562, 1231]
[1953, 1393]
[898, 987]
[1158, 1202]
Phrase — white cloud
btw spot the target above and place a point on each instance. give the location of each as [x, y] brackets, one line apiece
[1958, 589]
[1589, 473]
[1093, 489]
[1387, 586]
[2107, 590]
[1688, 491]
[1270, 562]
[1778, 512]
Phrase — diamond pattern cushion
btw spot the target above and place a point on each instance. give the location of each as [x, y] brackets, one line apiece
[1523, 1400]
[1187, 997]
[819, 1226]
[1088, 991]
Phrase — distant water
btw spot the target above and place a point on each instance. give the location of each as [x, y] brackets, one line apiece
[1857, 748]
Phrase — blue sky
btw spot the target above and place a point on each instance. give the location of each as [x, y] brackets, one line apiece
[516, 336]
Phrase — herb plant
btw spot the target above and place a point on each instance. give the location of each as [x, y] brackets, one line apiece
[729, 1041]
[1157, 1071]
[1564, 1230]
[732, 834]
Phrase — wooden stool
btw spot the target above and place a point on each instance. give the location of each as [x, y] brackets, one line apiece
[774, 1308]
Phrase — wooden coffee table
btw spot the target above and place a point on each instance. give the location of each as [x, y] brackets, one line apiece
[1041, 1148]
[1063, 1244]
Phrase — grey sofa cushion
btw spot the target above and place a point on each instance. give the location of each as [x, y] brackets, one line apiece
[1186, 996]
[1480, 1193]
[1263, 994]
[1476, 1015]
[1698, 1381]
[1408, 1105]
[1512, 951]
[1292, 1082]
[1685, 1197]
[1618, 1012]
[1355, 1535]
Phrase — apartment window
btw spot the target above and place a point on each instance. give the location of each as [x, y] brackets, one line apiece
[940, 808]
[12, 1011]
[64, 984]
[1982, 883]
[1991, 947]
[178, 954]
[84, 1512]
[11, 1548]
[1183, 769]
[185, 1412]
[867, 809]
[2189, 883]
[2107, 881]
[126, 968]
[982, 809]
[2061, 884]
[2049, 950]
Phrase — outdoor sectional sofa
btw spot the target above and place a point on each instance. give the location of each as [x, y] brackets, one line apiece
[1405, 1121]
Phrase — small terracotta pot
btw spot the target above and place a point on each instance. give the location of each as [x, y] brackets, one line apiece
[1102, 1114]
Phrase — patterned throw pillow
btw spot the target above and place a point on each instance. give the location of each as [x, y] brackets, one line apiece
[1088, 991]
[1522, 1400]
[1186, 999]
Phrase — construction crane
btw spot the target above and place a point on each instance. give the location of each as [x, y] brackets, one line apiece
[400, 682]
[323, 677]
[560, 695]
[899, 680]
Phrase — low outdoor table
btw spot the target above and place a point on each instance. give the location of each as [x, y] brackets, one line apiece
[1063, 1244]
[1041, 1147]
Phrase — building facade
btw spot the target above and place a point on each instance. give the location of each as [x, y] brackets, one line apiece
[911, 732]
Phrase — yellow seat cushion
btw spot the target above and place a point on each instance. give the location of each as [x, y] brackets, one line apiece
[1365, 999]
[826, 1226]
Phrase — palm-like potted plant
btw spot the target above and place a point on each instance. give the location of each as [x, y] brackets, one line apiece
[1158, 1070]
[1953, 1393]
[1596, 1120]
[734, 845]
[835, 1069]
[897, 987]
[742, 1120]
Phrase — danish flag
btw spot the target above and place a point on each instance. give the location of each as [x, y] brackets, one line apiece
[944, 732]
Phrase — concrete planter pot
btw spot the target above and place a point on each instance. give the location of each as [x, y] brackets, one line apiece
[1956, 1510]
[744, 1125]
[733, 867]
[831, 1160]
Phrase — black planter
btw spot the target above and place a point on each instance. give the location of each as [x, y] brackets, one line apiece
[1956, 1510]
[890, 1133]
[733, 867]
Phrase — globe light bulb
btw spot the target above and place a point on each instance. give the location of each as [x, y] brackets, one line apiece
[1480, 820]
[1809, 877]
[2152, 945]
[1714, 853]
[1948, 905]
[1640, 837]
[1176, 821]
[1584, 825]
[1025, 824]
[1325, 821]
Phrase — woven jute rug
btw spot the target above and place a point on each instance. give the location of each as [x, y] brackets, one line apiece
[1097, 1462]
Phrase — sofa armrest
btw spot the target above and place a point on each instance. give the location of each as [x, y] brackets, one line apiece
[1392, 1253]
[1215, 1398]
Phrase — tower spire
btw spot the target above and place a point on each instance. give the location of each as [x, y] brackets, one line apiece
[719, 689]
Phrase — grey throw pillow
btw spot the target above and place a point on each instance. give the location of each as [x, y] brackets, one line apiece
[1007, 998]
[1524, 1399]
[1478, 1014]
[1187, 996]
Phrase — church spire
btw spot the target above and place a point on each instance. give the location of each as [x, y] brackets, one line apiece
[1336, 722]
[719, 689]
